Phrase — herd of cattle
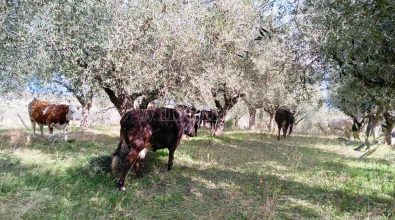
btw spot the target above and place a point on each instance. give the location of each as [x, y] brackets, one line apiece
[152, 129]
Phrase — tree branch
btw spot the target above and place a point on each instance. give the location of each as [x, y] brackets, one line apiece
[68, 87]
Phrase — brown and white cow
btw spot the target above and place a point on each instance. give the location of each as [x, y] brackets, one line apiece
[347, 125]
[340, 124]
[53, 115]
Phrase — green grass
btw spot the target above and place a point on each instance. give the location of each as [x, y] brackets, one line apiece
[237, 176]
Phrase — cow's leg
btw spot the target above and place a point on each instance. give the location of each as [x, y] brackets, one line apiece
[41, 129]
[213, 124]
[50, 127]
[65, 133]
[171, 153]
[118, 148]
[34, 127]
[138, 168]
[279, 131]
[347, 134]
[125, 169]
[127, 163]
[356, 136]
[285, 128]
[290, 129]
[171, 158]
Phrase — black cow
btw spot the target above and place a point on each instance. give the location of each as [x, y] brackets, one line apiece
[197, 121]
[191, 112]
[143, 130]
[285, 119]
[209, 116]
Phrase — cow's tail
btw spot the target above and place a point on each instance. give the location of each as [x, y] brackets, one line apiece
[116, 156]
[115, 164]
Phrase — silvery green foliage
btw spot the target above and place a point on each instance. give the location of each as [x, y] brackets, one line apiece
[199, 50]
[355, 40]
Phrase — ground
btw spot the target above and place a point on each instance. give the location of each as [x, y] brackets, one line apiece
[241, 175]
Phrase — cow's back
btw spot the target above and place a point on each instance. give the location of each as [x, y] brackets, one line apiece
[340, 124]
[44, 112]
[165, 125]
[284, 116]
[37, 110]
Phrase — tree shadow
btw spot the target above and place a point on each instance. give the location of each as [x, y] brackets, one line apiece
[268, 185]
[79, 143]
[223, 192]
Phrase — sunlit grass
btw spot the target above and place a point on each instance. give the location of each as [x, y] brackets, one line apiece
[241, 175]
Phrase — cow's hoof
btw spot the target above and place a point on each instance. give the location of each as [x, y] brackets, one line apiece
[122, 188]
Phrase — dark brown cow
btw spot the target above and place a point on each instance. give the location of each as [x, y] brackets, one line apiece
[52, 115]
[209, 116]
[191, 112]
[285, 119]
[143, 130]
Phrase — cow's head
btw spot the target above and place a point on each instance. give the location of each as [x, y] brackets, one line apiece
[74, 113]
[189, 125]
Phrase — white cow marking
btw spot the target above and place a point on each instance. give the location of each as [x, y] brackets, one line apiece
[143, 153]
[45, 110]
[74, 113]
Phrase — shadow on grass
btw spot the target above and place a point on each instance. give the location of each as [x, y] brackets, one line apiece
[267, 186]
[87, 189]
[196, 183]
[79, 142]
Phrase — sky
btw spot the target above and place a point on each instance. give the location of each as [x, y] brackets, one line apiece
[37, 86]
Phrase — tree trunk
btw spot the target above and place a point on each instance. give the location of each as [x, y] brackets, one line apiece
[270, 124]
[229, 102]
[388, 137]
[389, 127]
[85, 116]
[252, 118]
[83, 91]
[237, 119]
[220, 125]
[271, 111]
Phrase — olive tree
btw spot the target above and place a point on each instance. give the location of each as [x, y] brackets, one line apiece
[355, 41]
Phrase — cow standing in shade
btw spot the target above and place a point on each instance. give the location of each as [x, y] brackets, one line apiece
[143, 130]
[285, 119]
[53, 115]
[347, 125]
[209, 116]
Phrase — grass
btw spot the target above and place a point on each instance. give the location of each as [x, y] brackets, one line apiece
[238, 176]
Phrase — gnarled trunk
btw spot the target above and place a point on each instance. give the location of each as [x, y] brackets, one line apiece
[389, 128]
[270, 124]
[85, 116]
[83, 91]
[220, 125]
[123, 101]
[271, 111]
[388, 137]
[252, 117]
[228, 103]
